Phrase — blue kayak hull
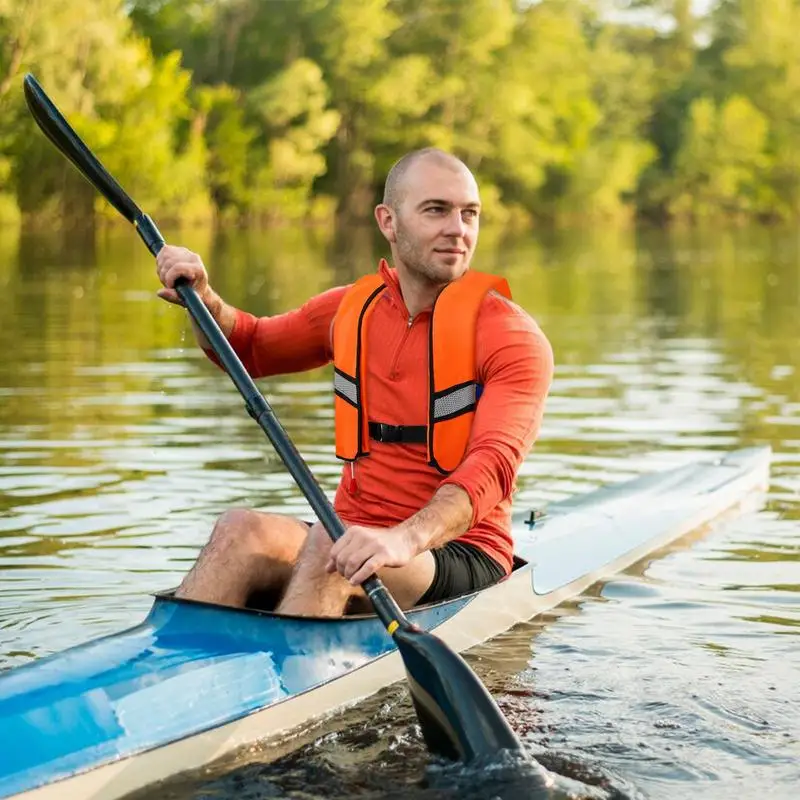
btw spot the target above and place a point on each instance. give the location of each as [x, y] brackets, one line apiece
[187, 667]
[194, 680]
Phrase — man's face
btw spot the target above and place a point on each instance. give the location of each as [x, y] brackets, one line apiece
[436, 223]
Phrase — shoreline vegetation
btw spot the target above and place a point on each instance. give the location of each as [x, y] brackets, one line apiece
[259, 113]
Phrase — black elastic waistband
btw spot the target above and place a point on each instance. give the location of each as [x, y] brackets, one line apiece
[398, 434]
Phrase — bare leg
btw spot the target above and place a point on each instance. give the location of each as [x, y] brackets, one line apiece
[312, 591]
[247, 551]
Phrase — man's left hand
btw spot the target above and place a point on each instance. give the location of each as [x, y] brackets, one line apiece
[362, 551]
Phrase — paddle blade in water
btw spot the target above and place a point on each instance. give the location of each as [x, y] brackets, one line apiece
[460, 720]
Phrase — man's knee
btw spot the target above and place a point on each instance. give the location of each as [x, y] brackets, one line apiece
[254, 533]
[239, 529]
[318, 545]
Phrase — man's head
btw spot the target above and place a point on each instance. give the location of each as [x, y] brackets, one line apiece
[429, 215]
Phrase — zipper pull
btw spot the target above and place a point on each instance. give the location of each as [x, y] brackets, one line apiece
[410, 321]
[352, 486]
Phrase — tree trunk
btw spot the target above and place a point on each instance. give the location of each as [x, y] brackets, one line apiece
[354, 190]
[77, 204]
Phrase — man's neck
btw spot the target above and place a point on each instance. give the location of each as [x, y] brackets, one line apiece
[418, 293]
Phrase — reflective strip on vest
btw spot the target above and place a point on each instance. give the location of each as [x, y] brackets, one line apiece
[345, 387]
[454, 402]
[453, 390]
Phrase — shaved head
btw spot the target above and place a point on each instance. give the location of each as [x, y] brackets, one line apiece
[395, 189]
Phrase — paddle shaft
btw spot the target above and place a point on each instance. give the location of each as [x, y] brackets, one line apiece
[60, 132]
[260, 410]
[458, 716]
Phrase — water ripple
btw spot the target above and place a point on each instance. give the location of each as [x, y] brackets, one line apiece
[678, 679]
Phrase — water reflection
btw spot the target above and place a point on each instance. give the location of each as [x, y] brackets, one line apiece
[119, 445]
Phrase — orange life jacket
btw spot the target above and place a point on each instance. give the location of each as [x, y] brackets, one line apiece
[453, 390]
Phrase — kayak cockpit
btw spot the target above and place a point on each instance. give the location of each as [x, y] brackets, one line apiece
[264, 602]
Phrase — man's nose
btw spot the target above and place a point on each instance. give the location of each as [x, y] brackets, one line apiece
[454, 224]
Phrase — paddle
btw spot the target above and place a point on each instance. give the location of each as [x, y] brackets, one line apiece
[458, 716]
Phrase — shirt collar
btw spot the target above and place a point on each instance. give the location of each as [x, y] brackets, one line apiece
[392, 282]
[393, 291]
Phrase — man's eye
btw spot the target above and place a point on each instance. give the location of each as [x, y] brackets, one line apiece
[470, 213]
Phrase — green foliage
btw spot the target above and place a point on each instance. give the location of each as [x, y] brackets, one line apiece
[125, 103]
[765, 62]
[276, 111]
[138, 136]
[229, 139]
[723, 155]
[292, 108]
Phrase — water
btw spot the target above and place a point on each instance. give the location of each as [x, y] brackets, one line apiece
[120, 444]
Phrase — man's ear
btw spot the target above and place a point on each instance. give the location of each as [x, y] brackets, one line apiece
[385, 218]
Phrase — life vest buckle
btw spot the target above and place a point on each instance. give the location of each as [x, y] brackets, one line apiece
[390, 434]
[397, 434]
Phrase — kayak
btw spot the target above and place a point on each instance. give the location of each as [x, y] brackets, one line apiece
[193, 681]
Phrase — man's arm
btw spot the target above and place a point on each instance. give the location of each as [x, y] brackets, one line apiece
[516, 369]
[295, 341]
[174, 262]
[447, 515]
[515, 366]
[223, 313]
[364, 550]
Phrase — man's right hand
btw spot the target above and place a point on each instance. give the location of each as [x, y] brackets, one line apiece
[177, 262]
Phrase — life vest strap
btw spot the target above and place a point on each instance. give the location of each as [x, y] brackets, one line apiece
[398, 434]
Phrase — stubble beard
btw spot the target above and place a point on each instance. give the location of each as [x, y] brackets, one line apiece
[424, 269]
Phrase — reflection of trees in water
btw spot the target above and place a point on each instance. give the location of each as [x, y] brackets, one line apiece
[738, 289]
[38, 252]
[661, 290]
[72, 305]
[354, 251]
[598, 294]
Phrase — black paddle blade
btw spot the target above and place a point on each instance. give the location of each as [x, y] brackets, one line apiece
[61, 134]
[460, 720]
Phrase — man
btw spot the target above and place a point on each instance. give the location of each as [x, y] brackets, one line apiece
[454, 376]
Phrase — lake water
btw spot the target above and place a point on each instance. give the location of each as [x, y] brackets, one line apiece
[120, 444]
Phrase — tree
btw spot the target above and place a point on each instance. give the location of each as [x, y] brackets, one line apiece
[128, 106]
[293, 109]
[720, 165]
[765, 64]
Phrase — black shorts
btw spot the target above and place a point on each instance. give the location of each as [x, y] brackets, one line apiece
[460, 569]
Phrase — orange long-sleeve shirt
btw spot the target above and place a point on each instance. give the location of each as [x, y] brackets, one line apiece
[515, 367]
